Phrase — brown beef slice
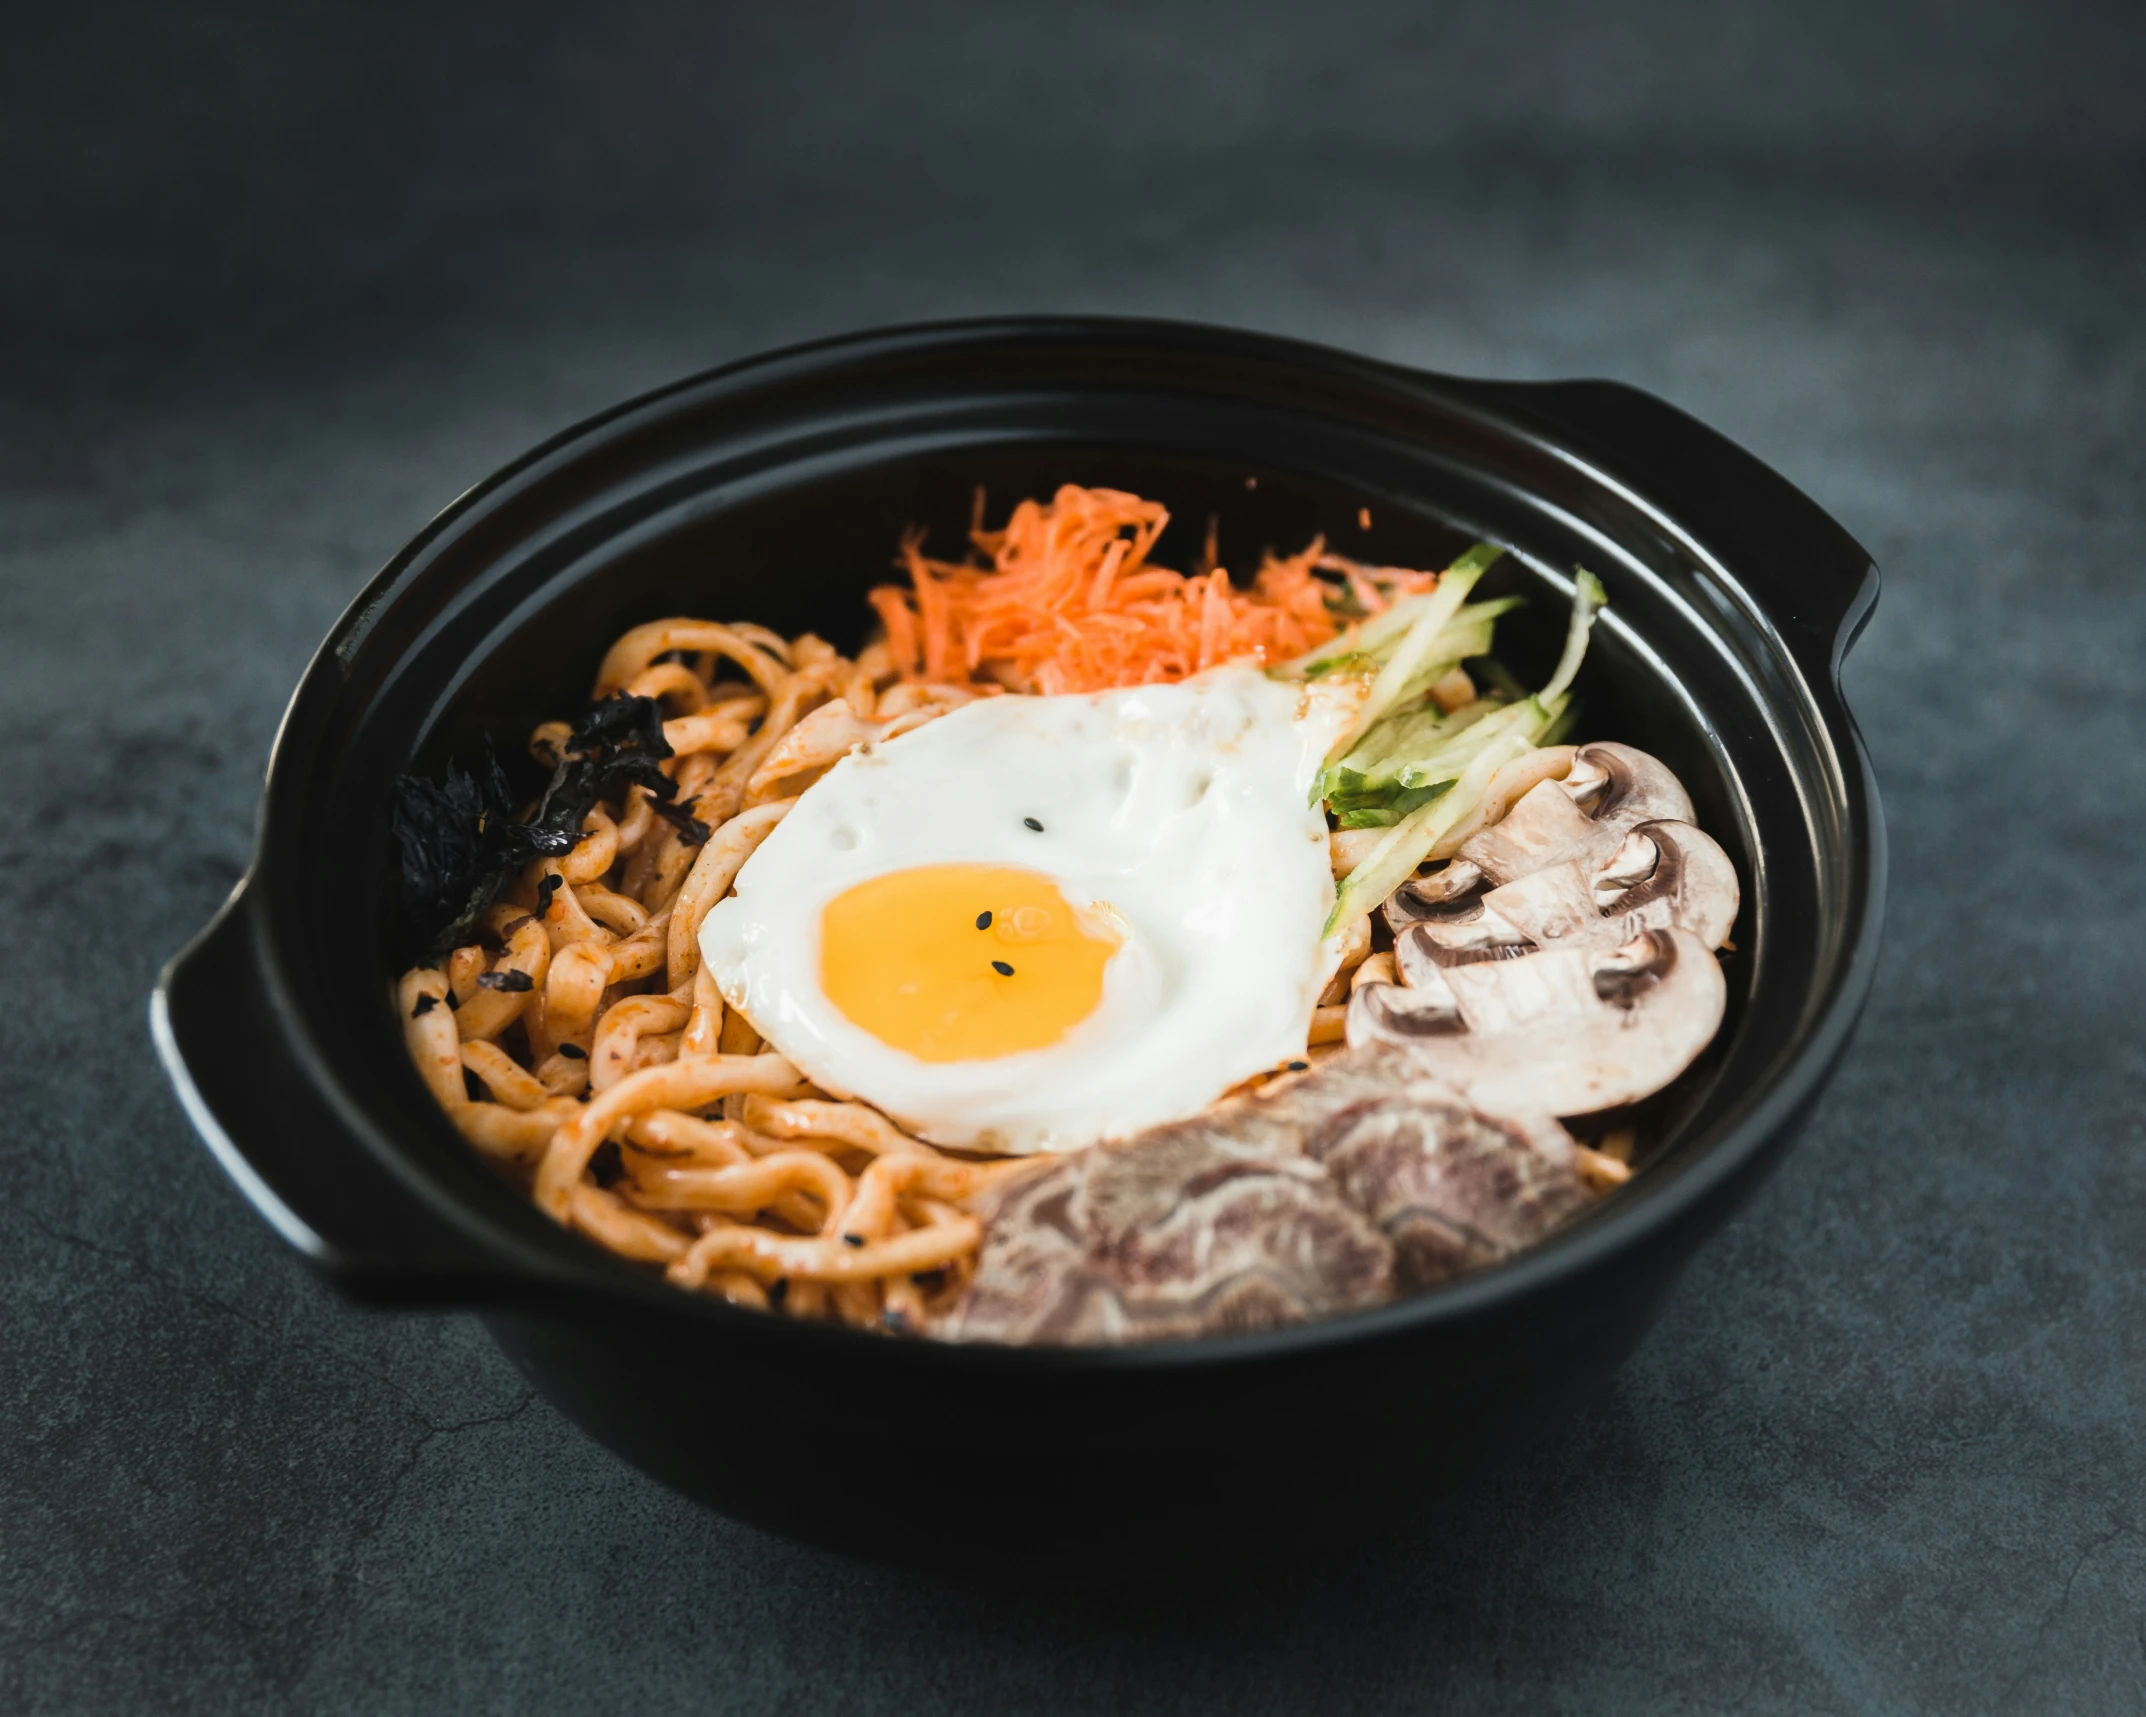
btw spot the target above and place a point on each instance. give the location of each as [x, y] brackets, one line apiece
[1180, 1232]
[1452, 1188]
[1319, 1194]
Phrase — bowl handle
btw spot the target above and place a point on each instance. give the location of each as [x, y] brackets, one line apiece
[1809, 577]
[301, 1165]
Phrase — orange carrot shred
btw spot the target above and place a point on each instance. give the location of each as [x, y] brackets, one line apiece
[1071, 603]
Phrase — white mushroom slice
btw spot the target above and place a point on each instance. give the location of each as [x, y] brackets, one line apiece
[1471, 924]
[1504, 790]
[1413, 900]
[1546, 904]
[1671, 874]
[1565, 1032]
[1683, 881]
[1630, 864]
[1623, 785]
[1419, 958]
[1543, 828]
[1579, 813]
[1404, 1013]
[1608, 790]
[1690, 884]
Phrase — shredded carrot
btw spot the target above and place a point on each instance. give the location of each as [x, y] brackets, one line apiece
[1071, 602]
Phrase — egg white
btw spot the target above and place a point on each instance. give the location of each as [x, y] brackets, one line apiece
[1182, 812]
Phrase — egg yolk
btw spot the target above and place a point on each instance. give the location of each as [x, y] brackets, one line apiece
[962, 962]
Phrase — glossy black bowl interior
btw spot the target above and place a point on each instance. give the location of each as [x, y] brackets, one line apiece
[776, 492]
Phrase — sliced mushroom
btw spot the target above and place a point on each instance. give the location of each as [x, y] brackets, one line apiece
[1565, 1031]
[1422, 949]
[1622, 784]
[1544, 827]
[1608, 790]
[1665, 873]
[1548, 904]
[1661, 875]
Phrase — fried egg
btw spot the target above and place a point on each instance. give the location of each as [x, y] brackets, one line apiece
[1041, 922]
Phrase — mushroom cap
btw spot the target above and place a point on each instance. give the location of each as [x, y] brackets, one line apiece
[1566, 1031]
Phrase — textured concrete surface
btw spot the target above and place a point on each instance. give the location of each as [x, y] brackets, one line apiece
[274, 286]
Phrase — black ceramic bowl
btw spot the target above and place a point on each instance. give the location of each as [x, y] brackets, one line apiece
[775, 490]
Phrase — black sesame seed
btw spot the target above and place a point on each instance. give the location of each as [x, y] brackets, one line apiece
[573, 1052]
[778, 1290]
[853, 1239]
[1031, 823]
[425, 1004]
[1001, 968]
[983, 921]
[1298, 1066]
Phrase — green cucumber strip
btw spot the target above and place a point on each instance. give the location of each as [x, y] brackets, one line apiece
[1372, 637]
[1365, 644]
[1409, 841]
[1588, 598]
[1348, 661]
[1379, 811]
[1426, 758]
[1482, 613]
[1408, 734]
[1414, 649]
[1395, 756]
[1452, 757]
[1455, 645]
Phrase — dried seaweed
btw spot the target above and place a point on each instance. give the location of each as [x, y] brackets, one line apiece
[694, 831]
[461, 843]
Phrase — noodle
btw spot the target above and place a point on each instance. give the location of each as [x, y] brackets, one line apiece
[580, 1017]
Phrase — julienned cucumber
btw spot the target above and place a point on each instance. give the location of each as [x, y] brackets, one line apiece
[1373, 641]
[1393, 861]
[1418, 771]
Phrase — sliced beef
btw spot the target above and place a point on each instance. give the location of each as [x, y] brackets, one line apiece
[1452, 1188]
[1180, 1232]
[1322, 1194]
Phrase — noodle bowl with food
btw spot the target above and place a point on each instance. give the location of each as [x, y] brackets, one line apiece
[1102, 953]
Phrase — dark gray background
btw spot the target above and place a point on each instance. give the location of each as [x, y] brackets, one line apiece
[274, 287]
